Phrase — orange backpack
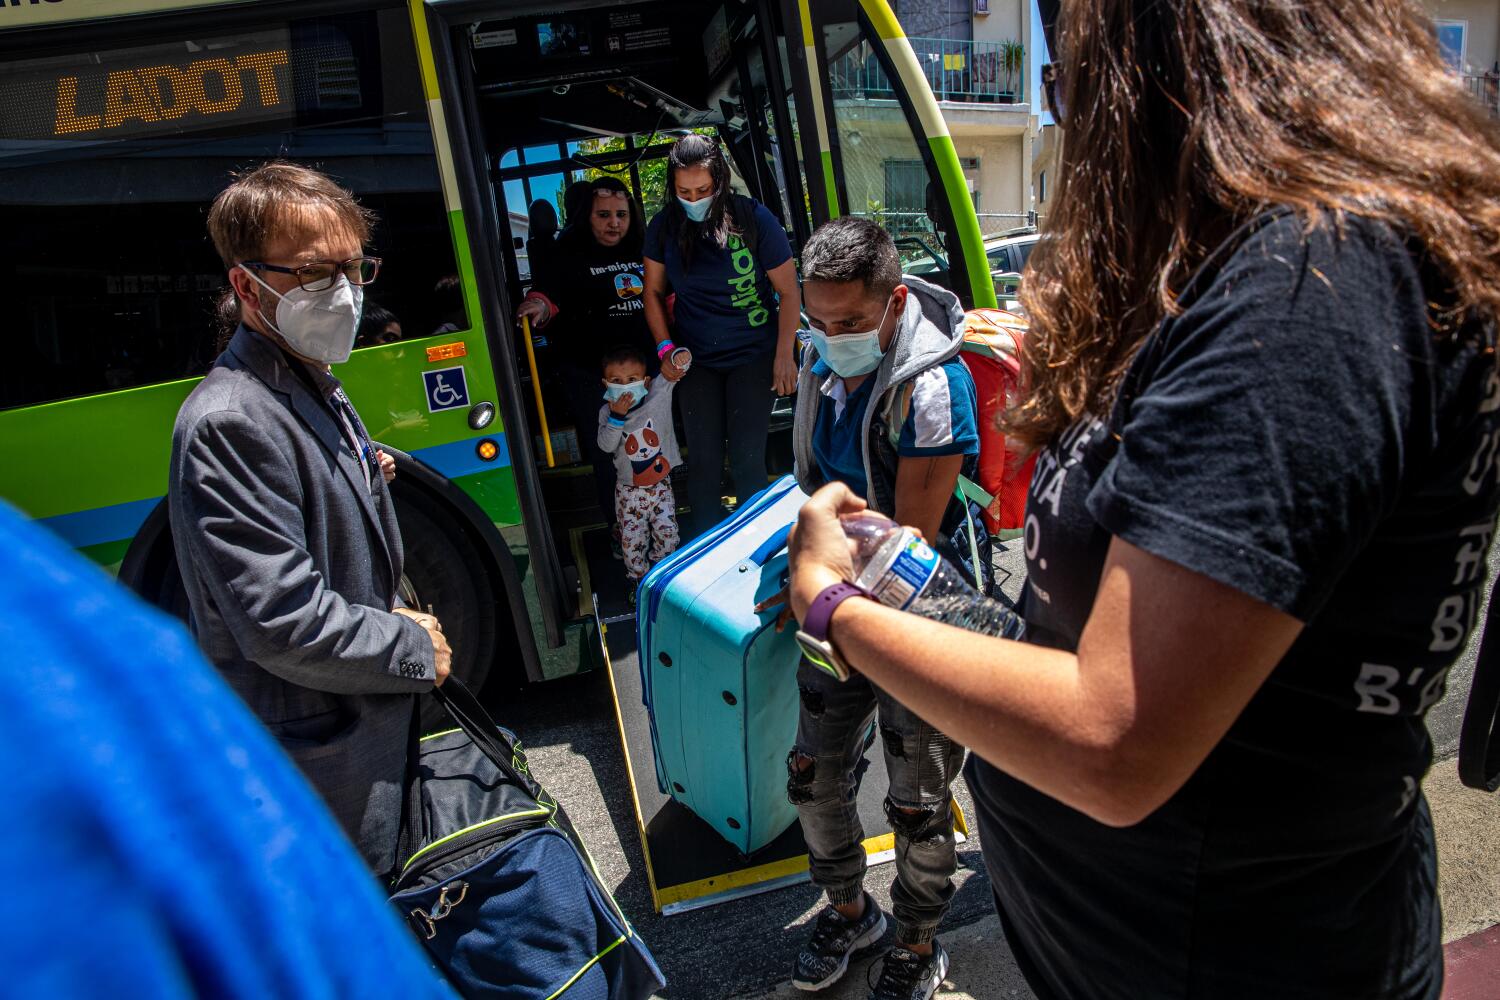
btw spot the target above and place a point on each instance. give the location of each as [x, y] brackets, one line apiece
[992, 352]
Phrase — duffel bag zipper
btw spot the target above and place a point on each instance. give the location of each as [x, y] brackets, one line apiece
[463, 841]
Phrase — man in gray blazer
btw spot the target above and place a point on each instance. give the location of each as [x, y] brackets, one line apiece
[284, 527]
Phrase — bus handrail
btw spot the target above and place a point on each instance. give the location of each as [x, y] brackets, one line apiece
[536, 390]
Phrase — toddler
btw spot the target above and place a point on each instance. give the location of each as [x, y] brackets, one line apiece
[635, 426]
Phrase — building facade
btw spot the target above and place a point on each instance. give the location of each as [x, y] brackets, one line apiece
[1468, 35]
[977, 56]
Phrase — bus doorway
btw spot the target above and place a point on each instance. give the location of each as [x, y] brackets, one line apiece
[603, 94]
[536, 99]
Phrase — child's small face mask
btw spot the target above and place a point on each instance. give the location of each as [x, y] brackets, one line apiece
[622, 378]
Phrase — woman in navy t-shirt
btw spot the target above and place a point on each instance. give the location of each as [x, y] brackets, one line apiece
[728, 262]
[1263, 387]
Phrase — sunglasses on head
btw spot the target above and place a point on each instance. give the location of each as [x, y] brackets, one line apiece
[1052, 91]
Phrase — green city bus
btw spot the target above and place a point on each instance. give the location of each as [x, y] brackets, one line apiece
[121, 119]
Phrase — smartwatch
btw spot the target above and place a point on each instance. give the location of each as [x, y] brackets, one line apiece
[813, 635]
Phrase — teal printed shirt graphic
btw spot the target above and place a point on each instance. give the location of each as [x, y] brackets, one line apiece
[725, 309]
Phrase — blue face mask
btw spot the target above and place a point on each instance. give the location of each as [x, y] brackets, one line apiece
[613, 392]
[697, 210]
[851, 354]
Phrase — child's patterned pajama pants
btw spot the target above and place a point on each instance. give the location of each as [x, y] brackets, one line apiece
[648, 525]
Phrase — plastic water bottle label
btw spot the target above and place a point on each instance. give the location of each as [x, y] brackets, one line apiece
[907, 575]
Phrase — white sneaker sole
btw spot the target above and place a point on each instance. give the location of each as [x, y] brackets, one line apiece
[866, 939]
[940, 975]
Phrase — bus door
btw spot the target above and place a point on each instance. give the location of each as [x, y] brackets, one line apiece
[875, 141]
[535, 97]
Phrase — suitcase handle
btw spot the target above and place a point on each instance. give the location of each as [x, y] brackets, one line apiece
[771, 546]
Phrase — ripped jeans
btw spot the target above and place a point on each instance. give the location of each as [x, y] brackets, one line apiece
[921, 763]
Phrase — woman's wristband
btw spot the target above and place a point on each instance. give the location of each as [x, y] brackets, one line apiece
[663, 349]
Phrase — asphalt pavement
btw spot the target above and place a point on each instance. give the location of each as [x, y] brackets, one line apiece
[744, 948]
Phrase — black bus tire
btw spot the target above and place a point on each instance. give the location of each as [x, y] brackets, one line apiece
[443, 572]
[441, 569]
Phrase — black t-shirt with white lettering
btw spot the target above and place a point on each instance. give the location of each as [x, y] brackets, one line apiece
[599, 293]
[1300, 433]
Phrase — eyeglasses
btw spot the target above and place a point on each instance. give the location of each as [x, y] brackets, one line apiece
[1052, 91]
[321, 274]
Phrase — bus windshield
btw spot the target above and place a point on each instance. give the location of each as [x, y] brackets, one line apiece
[109, 157]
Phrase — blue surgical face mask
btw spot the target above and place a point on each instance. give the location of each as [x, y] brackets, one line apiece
[613, 392]
[696, 210]
[851, 354]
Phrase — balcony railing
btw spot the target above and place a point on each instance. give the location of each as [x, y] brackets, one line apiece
[956, 70]
[1485, 88]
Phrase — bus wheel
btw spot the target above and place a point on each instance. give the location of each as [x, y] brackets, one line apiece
[444, 573]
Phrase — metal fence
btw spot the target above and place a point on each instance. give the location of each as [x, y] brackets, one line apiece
[995, 223]
[1485, 88]
[956, 70]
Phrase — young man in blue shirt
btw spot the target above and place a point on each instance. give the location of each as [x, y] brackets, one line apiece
[884, 405]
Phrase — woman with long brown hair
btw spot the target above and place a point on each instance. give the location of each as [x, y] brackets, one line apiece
[1263, 386]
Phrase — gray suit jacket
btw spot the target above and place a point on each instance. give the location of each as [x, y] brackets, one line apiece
[291, 563]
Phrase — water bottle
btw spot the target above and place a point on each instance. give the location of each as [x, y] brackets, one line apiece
[902, 571]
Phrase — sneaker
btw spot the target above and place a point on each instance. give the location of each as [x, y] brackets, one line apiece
[825, 957]
[905, 975]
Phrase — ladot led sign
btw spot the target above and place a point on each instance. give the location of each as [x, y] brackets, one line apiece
[208, 87]
[167, 87]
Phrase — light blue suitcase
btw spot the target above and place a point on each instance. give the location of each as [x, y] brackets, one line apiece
[719, 683]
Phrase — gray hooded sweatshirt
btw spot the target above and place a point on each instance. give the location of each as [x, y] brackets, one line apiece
[929, 333]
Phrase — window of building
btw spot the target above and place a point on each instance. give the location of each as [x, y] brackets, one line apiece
[905, 186]
[109, 160]
[1453, 42]
[952, 19]
[1041, 187]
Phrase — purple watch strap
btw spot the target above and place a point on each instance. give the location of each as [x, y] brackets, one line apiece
[821, 608]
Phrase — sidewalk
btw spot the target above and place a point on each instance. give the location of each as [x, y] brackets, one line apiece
[1468, 829]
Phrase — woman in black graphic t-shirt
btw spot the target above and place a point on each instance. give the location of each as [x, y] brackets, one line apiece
[1263, 387]
[588, 299]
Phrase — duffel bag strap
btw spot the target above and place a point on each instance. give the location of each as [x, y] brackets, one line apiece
[412, 825]
[485, 734]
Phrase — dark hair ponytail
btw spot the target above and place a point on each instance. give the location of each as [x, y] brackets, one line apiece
[724, 213]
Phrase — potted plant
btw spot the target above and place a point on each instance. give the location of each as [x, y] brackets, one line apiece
[1012, 59]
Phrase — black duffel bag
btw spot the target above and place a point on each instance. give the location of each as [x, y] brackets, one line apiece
[496, 882]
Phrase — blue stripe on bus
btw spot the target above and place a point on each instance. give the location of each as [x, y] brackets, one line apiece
[101, 524]
[122, 520]
[459, 458]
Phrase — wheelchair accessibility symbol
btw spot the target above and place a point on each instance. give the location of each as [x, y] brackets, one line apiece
[446, 389]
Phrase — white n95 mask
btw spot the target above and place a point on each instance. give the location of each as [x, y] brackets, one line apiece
[320, 326]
